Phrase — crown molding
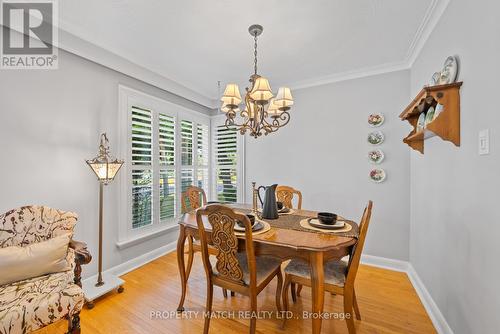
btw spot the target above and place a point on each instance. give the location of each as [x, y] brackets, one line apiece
[350, 75]
[97, 54]
[431, 18]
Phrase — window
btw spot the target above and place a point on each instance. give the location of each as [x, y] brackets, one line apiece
[228, 163]
[167, 149]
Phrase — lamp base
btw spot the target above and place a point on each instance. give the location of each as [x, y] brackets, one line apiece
[92, 292]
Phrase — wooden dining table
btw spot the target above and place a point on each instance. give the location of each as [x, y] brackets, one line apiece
[286, 243]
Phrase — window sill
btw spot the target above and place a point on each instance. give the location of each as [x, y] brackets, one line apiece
[135, 240]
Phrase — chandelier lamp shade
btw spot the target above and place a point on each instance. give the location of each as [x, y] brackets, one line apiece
[263, 112]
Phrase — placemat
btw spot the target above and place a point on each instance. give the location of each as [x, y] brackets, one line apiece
[292, 222]
[266, 228]
[305, 224]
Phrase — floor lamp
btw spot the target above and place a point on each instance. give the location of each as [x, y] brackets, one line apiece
[105, 168]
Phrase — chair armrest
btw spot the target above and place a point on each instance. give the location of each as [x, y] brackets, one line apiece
[82, 256]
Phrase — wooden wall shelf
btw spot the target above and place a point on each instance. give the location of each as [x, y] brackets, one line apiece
[446, 125]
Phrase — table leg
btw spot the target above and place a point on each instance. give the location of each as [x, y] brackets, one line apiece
[180, 262]
[317, 285]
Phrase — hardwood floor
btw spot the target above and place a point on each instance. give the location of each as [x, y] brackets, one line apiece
[387, 301]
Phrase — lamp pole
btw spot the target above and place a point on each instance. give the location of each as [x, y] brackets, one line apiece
[101, 191]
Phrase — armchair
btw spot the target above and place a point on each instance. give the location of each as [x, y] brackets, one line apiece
[33, 303]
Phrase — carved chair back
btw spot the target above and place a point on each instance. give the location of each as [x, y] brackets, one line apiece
[193, 198]
[31, 224]
[357, 249]
[285, 195]
[221, 220]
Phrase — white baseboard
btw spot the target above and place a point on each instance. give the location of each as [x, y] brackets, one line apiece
[437, 318]
[385, 263]
[137, 262]
[432, 309]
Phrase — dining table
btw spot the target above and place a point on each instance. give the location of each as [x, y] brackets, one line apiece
[286, 239]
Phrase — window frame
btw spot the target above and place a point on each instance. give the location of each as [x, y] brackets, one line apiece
[129, 97]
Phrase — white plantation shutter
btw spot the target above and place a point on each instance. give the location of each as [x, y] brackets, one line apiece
[142, 157]
[166, 154]
[203, 156]
[226, 164]
[187, 170]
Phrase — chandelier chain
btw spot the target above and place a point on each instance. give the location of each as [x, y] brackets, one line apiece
[255, 53]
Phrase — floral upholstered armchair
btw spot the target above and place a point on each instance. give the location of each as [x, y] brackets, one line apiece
[35, 302]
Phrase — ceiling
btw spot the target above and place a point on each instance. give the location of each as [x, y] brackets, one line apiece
[198, 42]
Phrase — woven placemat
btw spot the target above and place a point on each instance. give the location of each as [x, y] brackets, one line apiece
[305, 224]
[266, 228]
[292, 222]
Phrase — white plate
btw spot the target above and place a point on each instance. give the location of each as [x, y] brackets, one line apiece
[376, 120]
[376, 156]
[377, 175]
[375, 138]
[421, 122]
[429, 117]
[450, 71]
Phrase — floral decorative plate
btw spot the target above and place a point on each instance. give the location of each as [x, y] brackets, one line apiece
[377, 175]
[429, 117]
[421, 122]
[376, 120]
[376, 137]
[376, 156]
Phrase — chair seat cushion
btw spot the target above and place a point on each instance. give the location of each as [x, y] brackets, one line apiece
[34, 303]
[265, 265]
[335, 271]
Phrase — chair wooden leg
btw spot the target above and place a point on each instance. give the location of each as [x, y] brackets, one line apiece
[224, 293]
[355, 304]
[208, 307]
[348, 296]
[190, 257]
[279, 287]
[299, 289]
[284, 294]
[253, 306]
[74, 324]
[294, 295]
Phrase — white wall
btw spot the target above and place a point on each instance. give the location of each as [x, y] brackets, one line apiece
[455, 219]
[50, 123]
[323, 153]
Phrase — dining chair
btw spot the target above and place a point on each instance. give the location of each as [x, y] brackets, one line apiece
[242, 272]
[285, 195]
[194, 198]
[339, 276]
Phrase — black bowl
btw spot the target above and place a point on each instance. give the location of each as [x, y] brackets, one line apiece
[327, 218]
[250, 217]
[280, 205]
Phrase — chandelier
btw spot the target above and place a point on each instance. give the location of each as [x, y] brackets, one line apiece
[262, 112]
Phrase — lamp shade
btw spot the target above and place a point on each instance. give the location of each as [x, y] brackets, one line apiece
[273, 110]
[104, 166]
[231, 95]
[261, 91]
[284, 98]
[105, 171]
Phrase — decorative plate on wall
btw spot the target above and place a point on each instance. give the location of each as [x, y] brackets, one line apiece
[377, 175]
[376, 120]
[449, 72]
[376, 137]
[376, 156]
